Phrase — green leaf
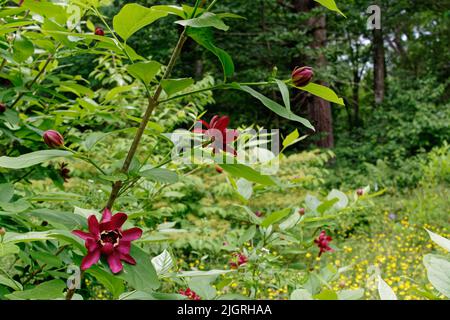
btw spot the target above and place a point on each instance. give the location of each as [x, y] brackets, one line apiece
[340, 196]
[160, 175]
[331, 5]
[326, 205]
[7, 249]
[291, 139]
[301, 294]
[77, 89]
[356, 294]
[163, 263]
[172, 86]
[45, 291]
[274, 106]
[438, 271]
[191, 274]
[6, 192]
[284, 93]
[22, 48]
[133, 17]
[13, 284]
[204, 37]
[142, 276]
[250, 174]
[247, 235]
[58, 218]
[385, 291]
[31, 159]
[112, 283]
[144, 71]
[46, 258]
[323, 92]
[275, 217]
[206, 20]
[12, 237]
[114, 177]
[117, 90]
[176, 10]
[202, 286]
[439, 240]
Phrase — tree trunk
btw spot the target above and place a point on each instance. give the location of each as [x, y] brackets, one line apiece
[319, 109]
[379, 66]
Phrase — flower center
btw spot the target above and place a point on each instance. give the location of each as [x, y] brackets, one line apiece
[110, 237]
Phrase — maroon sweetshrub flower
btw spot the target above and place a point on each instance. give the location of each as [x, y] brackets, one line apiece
[190, 294]
[108, 238]
[259, 214]
[64, 172]
[53, 139]
[99, 31]
[216, 130]
[238, 260]
[2, 107]
[302, 76]
[360, 192]
[302, 211]
[323, 243]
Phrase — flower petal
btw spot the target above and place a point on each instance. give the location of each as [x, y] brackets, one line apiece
[106, 216]
[213, 121]
[222, 123]
[127, 258]
[124, 247]
[114, 263]
[91, 245]
[108, 248]
[93, 226]
[131, 234]
[117, 220]
[83, 235]
[90, 259]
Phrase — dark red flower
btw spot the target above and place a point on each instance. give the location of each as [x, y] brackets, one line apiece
[108, 238]
[302, 76]
[2, 107]
[239, 259]
[53, 139]
[99, 31]
[360, 192]
[302, 211]
[64, 172]
[190, 294]
[216, 130]
[322, 242]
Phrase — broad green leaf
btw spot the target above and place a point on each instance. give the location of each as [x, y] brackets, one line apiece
[142, 276]
[204, 37]
[11, 12]
[202, 286]
[385, 291]
[356, 294]
[116, 91]
[291, 222]
[13, 284]
[326, 205]
[291, 139]
[323, 92]
[176, 10]
[144, 71]
[7, 249]
[275, 217]
[160, 175]
[163, 263]
[301, 294]
[48, 10]
[45, 291]
[331, 5]
[206, 20]
[6, 192]
[31, 159]
[247, 235]
[250, 174]
[172, 86]
[326, 295]
[22, 48]
[13, 237]
[111, 282]
[274, 106]
[133, 17]
[77, 89]
[438, 271]
[58, 218]
[46, 258]
[439, 240]
[284, 93]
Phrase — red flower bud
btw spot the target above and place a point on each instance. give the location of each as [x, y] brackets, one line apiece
[259, 214]
[219, 169]
[360, 192]
[2, 232]
[2, 107]
[302, 211]
[99, 32]
[302, 76]
[53, 139]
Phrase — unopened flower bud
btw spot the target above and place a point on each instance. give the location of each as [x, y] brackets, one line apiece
[2, 232]
[302, 76]
[2, 107]
[53, 139]
[219, 169]
[301, 211]
[360, 192]
[99, 31]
